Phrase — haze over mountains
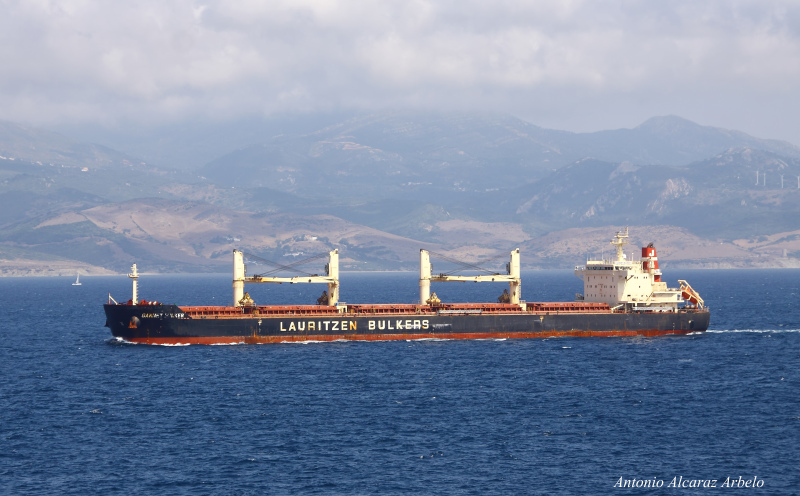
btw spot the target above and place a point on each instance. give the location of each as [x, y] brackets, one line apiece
[381, 186]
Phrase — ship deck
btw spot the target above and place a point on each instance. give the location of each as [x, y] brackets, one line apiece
[367, 310]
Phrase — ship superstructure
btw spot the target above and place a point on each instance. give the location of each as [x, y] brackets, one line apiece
[632, 285]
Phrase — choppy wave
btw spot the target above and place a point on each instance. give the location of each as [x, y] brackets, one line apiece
[337, 419]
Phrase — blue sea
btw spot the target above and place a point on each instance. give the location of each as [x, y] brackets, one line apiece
[82, 413]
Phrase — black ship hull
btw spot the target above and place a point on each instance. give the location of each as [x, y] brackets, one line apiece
[170, 324]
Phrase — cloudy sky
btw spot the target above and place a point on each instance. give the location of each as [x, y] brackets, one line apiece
[566, 64]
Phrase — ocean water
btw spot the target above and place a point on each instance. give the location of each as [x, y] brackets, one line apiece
[81, 413]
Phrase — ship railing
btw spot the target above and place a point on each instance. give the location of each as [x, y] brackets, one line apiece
[478, 308]
[297, 310]
[567, 307]
[389, 309]
[460, 311]
[401, 308]
[210, 311]
[653, 309]
[263, 310]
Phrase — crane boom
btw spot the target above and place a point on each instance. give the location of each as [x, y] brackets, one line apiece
[425, 277]
[331, 278]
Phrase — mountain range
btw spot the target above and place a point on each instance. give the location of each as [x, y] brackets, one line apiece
[379, 187]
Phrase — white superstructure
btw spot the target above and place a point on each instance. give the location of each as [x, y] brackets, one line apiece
[633, 284]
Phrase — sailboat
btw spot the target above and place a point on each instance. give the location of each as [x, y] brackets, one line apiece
[77, 281]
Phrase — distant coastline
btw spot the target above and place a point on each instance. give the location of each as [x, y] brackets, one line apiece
[65, 270]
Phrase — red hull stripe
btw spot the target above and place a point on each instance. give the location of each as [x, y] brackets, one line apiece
[395, 337]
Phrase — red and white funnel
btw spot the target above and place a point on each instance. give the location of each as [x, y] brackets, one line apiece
[650, 262]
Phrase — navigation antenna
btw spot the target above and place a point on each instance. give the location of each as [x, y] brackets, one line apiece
[620, 240]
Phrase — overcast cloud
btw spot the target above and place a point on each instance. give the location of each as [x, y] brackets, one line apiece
[575, 65]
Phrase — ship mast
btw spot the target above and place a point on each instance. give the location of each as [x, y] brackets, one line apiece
[135, 276]
[620, 240]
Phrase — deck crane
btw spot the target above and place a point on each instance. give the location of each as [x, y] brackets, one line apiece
[331, 278]
[425, 277]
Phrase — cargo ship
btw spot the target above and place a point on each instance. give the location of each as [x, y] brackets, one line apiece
[621, 297]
